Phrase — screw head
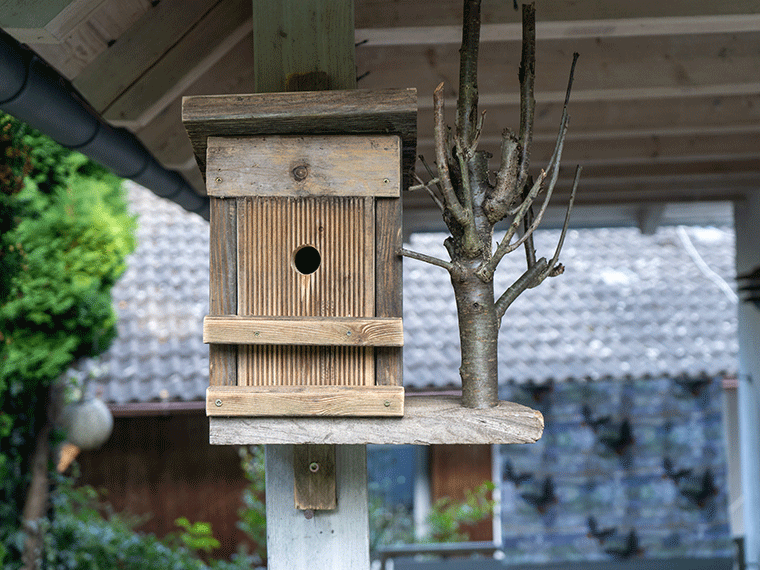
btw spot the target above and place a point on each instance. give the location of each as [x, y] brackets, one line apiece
[387, 403]
[217, 179]
[386, 181]
[257, 333]
[218, 403]
[348, 333]
[300, 172]
[313, 466]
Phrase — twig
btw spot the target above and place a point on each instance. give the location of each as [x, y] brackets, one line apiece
[427, 259]
[561, 241]
[478, 132]
[530, 248]
[527, 80]
[463, 157]
[430, 173]
[426, 186]
[450, 199]
[522, 283]
[485, 271]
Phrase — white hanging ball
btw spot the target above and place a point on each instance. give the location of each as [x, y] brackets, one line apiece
[88, 423]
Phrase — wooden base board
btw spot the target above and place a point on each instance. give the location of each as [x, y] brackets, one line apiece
[427, 420]
[279, 401]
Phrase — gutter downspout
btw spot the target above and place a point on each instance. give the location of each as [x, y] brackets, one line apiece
[33, 92]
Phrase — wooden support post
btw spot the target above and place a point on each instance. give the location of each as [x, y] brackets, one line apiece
[308, 45]
[315, 540]
[747, 226]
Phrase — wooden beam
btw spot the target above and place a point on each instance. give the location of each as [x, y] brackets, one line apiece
[93, 36]
[220, 30]
[308, 46]
[311, 401]
[223, 285]
[43, 21]
[164, 134]
[633, 150]
[687, 115]
[308, 331]
[306, 165]
[564, 29]
[138, 49]
[390, 111]
[318, 539]
[374, 14]
[611, 69]
[314, 490]
[427, 420]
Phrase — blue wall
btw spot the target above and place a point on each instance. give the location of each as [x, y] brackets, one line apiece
[585, 466]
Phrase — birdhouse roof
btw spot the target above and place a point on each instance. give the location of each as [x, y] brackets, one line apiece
[628, 305]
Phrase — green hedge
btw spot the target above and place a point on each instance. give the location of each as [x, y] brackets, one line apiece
[65, 235]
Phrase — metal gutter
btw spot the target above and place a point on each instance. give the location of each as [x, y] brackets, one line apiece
[34, 92]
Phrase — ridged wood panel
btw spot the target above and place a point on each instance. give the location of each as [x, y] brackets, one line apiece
[270, 231]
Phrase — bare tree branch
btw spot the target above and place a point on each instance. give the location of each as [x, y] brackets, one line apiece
[426, 185]
[486, 271]
[523, 282]
[503, 195]
[561, 241]
[527, 80]
[430, 173]
[450, 199]
[427, 259]
[467, 104]
[530, 248]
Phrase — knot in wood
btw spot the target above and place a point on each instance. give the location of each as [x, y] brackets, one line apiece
[300, 172]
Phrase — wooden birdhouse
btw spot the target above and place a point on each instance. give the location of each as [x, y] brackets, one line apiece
[305, 284]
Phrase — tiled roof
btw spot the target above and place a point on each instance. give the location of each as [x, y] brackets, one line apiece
[628, 305]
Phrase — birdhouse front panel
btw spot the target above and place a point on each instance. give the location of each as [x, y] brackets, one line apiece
[302, 257]
[313, 230]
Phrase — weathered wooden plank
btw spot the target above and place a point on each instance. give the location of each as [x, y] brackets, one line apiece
[615, 68]
[223, 286]
[43, 21]
[181, 64]
[374, 14]
[383, 111]
[139, 48]
[427, 420]
[334, 540]
[85, 42]
[317, 331]
[389, 366]
[564, 29]
[314, 474]
[309, 51]
[332, 165]
[279, 401]
[637, 149]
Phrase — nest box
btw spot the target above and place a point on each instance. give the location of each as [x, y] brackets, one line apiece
[305, 284]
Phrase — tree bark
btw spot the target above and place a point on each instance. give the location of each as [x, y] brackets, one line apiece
[36, 500]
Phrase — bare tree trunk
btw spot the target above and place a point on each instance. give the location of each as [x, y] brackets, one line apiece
[36, 500]
[471, 205]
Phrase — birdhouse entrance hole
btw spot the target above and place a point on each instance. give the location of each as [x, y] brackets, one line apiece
[307, 259]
